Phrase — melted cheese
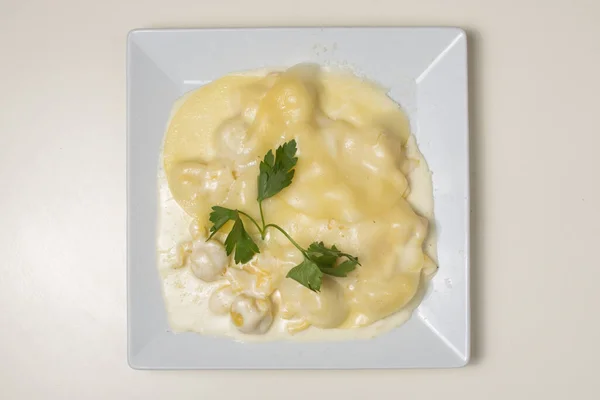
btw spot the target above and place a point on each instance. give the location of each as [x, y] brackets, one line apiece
[358, 181]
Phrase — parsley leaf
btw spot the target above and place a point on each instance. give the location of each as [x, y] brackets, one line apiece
[325, 258]
[308, 274]
[238, 238]
[321, 260]
[276, 172]
[219, 217]
[322, 255]
[341, 270]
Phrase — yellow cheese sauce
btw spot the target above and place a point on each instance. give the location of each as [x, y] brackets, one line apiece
[360, 184]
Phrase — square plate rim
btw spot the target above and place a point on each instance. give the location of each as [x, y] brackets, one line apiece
[140, 31]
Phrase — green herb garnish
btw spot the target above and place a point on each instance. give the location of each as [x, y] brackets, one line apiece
[276, 173]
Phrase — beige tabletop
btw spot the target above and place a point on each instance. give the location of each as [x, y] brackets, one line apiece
[535, 90]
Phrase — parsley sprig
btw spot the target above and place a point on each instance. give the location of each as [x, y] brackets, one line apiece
[276, 172]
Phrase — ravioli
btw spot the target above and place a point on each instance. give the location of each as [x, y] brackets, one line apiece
[357, 166]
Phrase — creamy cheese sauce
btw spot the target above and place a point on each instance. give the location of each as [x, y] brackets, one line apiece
[360, 183]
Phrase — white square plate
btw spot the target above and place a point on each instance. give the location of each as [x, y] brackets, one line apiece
[426, 71]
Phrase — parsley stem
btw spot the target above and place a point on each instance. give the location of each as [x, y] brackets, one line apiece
[254, 222]
[280, 229]
[262, 218]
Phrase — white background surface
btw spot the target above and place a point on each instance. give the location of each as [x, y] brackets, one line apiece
[536, 200]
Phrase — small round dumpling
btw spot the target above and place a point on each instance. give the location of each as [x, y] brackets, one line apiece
[208, 260]
[220, 300]
[325, 309]
[251, 315]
